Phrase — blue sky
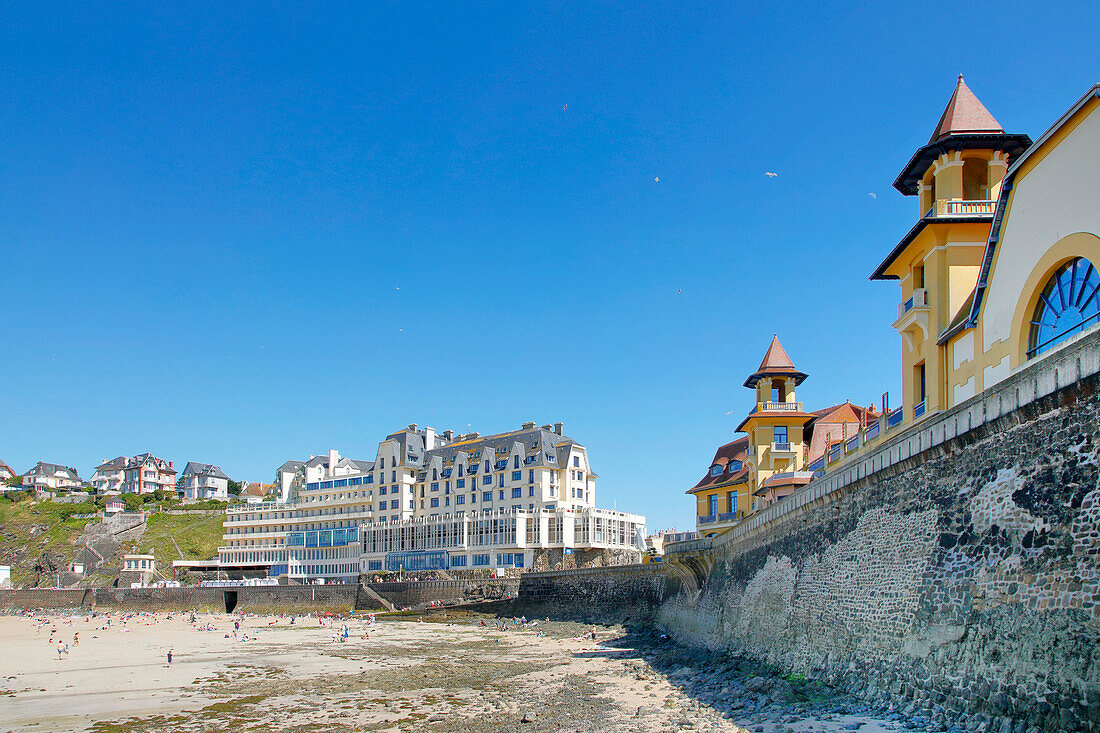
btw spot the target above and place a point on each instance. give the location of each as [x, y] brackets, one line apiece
[239, 234]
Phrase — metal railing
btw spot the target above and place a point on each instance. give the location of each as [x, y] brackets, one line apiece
[919, 299]
[727, 516]
[918, 409]
[894, 418]
[709, 519]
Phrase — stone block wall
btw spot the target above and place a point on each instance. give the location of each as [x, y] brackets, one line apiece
[415, 594]
[616, 594]
[966, 575]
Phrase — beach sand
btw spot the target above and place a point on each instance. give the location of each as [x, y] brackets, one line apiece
[445, 675]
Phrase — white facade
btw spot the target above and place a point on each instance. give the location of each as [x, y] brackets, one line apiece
[51, 476]
[204, 481]
[109, 476]
[482, 502]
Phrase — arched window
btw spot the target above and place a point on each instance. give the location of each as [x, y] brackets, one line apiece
[1067, 305]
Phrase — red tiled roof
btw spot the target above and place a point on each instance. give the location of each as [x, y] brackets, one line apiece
[833, 424]
[775, 363]
[964, 115]
[734, 451]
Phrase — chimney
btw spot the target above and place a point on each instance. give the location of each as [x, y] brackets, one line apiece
[429, 438]
[559, 427]
[333, 457]
[412, 427]
[169, 464]
[449, 434]
[528, 425]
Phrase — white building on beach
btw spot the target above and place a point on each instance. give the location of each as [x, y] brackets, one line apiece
[521, 499]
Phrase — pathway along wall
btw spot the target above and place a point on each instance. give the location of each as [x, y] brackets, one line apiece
[966, 575]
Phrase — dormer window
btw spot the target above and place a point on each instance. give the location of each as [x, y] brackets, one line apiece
[734, 466]
[716, 470]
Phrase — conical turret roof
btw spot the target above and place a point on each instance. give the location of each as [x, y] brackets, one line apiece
[965, 115]
[775, 363]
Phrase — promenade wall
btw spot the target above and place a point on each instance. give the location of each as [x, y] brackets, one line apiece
[629, 594]
[958, 564]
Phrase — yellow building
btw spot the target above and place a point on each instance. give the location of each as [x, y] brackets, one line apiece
[782, 444]
[1000, 268]
[956, 179]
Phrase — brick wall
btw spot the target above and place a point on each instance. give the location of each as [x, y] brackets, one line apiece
[965, 573]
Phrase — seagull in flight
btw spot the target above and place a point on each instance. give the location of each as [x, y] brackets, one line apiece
[769, 174]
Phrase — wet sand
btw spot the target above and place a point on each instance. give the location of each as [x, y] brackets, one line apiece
[444, 675]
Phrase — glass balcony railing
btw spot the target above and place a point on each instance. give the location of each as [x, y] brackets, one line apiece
[709, 519]
[918, 409]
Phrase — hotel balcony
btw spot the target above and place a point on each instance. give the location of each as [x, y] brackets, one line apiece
[782, 447]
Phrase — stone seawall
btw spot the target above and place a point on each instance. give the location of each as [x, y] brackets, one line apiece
[965, 576]
[617, 594]
[416, 594]
[255, 599]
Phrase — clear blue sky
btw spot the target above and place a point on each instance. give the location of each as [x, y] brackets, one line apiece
[238, 235]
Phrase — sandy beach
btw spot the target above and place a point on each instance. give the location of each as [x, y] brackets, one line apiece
[450, 674]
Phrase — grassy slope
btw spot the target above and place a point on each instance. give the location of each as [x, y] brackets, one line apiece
[26, 531]
[198, 536]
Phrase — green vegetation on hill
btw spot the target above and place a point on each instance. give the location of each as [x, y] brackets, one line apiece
[197, 535]
[29, 531]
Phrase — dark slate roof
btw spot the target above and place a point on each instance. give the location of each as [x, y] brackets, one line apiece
[146, 458]
[119, 462]
[553, 449]
[50, 469]
[291, 466]
[203, 469]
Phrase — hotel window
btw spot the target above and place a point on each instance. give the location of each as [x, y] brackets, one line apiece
[487, 479]
[517, 493]
[576, 461]
[517, 475]
[460, 483]
[394, 504]
[435, 486]
[460, 469]
[715, 469]
[487, 496]
[515, 461]
[382, 490]
[486, 464]
[473, 497]
[731, 501]
[502, 494]
[712, 505]
[435, 474]
[501, 481]
[530, 475]
[530, 490]
[780, 432]
[435, 501]
[460, 499]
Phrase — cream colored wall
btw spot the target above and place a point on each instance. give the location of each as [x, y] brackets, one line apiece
[1052, 197]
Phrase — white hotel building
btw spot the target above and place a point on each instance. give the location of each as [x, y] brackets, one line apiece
[522, 499]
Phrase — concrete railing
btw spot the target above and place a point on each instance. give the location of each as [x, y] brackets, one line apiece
[1068, 364]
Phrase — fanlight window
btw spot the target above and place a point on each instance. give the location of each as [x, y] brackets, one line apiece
[1068, 305]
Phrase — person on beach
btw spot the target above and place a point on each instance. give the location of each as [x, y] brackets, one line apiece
[169, 657]
[60, 649]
